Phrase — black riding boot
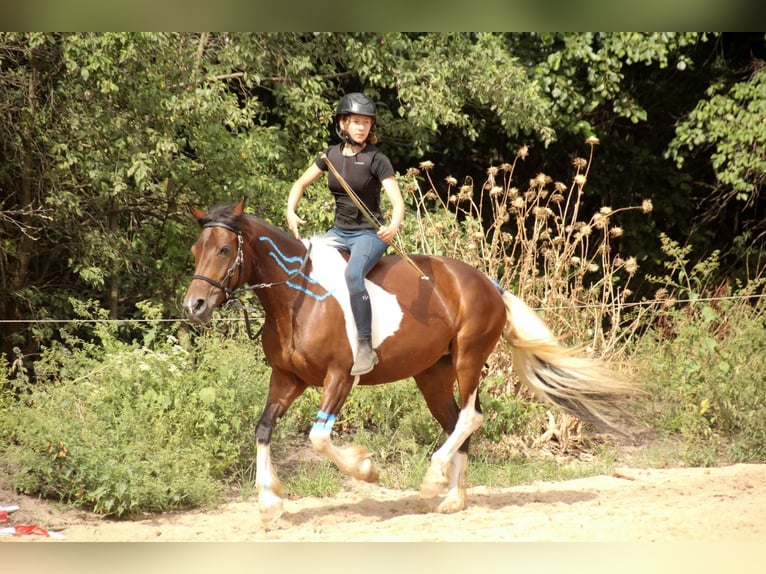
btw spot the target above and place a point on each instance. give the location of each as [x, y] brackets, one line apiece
[366, 358]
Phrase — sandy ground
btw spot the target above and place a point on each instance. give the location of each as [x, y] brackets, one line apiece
[725, 504]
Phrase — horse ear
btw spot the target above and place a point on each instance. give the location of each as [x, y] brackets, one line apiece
[198, 213]
[239, 208]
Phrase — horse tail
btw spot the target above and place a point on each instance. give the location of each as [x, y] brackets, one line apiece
[584, 386]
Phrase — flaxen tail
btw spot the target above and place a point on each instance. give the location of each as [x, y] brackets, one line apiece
[584, 386]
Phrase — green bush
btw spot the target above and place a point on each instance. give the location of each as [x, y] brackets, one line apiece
[508, 414]
[138, 429]
[703, 362]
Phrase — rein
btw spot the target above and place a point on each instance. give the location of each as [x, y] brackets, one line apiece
[236, 266]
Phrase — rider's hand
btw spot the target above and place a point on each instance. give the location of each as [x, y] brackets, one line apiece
[387, 232]
[293, 221]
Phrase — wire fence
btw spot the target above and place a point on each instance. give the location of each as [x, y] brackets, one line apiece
[648, 303]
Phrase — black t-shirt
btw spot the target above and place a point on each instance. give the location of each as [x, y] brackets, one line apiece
[364, 173]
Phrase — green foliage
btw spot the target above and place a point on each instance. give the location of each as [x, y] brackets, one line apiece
[684, 282]
[314, 478]
[727, 123]
[517, 469]
[706, 383]
[703, 364]
[120, 133]
[138, 428]
[110, 137]
[507, 415]
[390, 419]
[586, 71]
[434, 97]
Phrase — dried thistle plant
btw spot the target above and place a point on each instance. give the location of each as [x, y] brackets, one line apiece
[537, 243]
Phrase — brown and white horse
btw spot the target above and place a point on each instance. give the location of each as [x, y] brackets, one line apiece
[438, 331]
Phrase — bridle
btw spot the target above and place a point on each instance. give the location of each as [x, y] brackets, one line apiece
[223, 284]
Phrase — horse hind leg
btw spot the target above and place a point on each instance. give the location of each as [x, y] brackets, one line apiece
[447, 471]
[455, 499]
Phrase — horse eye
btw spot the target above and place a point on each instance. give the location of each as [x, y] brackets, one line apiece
[225, 250]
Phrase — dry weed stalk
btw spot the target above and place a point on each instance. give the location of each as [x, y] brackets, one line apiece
[537, 242]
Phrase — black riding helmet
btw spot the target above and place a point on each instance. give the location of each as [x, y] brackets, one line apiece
[355, 103]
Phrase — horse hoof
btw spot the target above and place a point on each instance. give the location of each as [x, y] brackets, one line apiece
[368, 471]
[434, 483]
[271, 508]
[451, 504]
[270, 515]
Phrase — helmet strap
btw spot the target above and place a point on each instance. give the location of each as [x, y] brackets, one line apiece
[346, 139]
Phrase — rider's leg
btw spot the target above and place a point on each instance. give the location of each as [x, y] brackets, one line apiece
[366, 250]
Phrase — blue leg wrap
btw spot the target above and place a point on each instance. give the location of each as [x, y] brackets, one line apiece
[324, 422]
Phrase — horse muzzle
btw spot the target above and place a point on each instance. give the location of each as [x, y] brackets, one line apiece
[199, 310]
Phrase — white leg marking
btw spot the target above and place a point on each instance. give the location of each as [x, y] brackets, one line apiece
[320, 440]
[455, 500]
[436, 478]
[352, 460]
[468, 421]
[267, 483]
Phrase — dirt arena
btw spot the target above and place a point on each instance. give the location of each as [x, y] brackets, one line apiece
[632, 505]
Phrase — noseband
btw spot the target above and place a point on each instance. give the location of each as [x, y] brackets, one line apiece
[223, 284]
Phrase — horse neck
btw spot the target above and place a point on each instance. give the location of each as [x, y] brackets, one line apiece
[273, 257]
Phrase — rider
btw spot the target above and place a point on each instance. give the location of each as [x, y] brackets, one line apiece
[365, 169]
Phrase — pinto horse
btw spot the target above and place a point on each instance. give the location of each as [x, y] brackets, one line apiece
[438, 331]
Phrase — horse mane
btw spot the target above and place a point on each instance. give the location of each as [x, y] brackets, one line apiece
[224, 213]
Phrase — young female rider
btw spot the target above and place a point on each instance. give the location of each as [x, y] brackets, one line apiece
[365, 169]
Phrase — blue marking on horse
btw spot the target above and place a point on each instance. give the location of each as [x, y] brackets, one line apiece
[324, 422]
[281, 259]
[295, 259]
[310, 293]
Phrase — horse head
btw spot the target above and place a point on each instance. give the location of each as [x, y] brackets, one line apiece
[218, 260]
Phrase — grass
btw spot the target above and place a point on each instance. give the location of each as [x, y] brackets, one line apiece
[317, 478]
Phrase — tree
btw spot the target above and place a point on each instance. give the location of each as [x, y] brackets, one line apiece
[112, 137]
[108, 139]
[726, 130]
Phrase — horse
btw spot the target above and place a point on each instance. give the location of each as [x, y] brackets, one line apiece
[438, 329]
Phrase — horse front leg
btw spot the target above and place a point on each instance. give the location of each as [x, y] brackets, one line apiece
[353, 460]
[268, 486]
[282, 392]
